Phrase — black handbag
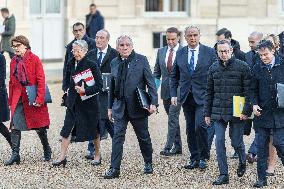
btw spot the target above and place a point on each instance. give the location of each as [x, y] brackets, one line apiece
[280, 95]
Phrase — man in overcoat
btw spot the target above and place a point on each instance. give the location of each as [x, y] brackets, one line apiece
[130, 71]
[269, 117]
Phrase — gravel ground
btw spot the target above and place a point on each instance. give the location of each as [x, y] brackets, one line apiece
[168, 172]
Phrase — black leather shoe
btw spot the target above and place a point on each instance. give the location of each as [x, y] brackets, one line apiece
[260, 183]
[202, 164]
[148, 168]
[270, 174]
[165, 153]
[192, 165]
[175, 152]
[112, 173]
[241, 169]
[222, 179]
[57, 163]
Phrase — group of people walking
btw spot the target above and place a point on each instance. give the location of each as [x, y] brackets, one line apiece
[100, 93]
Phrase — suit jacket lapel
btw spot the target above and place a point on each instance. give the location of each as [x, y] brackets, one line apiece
[163, 57]
[131, 67]
[199, 60]
[186, 58]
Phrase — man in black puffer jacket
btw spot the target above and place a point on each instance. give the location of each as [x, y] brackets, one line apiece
[227, 77]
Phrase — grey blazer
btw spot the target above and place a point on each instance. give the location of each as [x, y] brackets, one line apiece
[160, 70]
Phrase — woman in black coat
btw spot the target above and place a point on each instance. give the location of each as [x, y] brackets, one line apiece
[82, 114]
[4, 109]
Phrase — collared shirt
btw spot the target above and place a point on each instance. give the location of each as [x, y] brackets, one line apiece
[104, 51]
[273, 62]
[174, 53]
[196, 52]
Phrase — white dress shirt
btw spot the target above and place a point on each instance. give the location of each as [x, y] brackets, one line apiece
[174, 53]
[196, 52]
[104, 51]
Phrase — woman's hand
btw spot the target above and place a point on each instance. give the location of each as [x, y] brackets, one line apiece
[80, 90]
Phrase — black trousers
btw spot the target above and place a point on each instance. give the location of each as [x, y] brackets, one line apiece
[196, 129]
[140, 127]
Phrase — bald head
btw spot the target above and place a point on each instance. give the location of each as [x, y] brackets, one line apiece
[254, 38]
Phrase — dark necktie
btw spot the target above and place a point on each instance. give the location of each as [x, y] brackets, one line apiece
[170, 60]
[100, 58]
[191, 62]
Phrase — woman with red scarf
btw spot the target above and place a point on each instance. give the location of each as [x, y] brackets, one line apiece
[26, 69]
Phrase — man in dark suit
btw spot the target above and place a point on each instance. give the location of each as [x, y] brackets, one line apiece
[252, 58]
[190, 72]
[130, 71]
[269, 117]
[102, 55]
[79, 32]
[163, 67]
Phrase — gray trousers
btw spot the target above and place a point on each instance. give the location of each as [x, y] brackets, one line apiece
[237, 131]
[173, 136]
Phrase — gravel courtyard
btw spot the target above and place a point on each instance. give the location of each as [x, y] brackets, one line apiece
[79, 173]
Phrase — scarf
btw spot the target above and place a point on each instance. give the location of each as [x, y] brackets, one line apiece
[121, 76]
[20, 71]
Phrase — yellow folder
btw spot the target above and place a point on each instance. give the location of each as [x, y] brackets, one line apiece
[238, 105]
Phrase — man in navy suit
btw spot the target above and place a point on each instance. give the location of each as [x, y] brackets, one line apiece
[190, 72]
[103, 54]
[163, 67]
[130, 70]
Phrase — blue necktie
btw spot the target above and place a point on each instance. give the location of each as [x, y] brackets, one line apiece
[100, 58]
[269, 66]
[191, 62]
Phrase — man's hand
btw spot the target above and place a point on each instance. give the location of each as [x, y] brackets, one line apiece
[80, 90]
[109, 113]
[243, 117]
[208, 121]
[152, 109]
[36, 104]
[256, 110]
[174, 101]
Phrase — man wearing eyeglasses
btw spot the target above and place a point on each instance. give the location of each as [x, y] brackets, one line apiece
[79, 33]
[227, 77]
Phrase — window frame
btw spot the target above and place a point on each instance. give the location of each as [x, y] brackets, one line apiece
[166, 10]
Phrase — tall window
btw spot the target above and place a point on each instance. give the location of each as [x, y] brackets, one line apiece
[167, 7]
[282, 6]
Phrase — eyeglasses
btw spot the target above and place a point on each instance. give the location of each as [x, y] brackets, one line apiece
[76, 50]
[16, 46]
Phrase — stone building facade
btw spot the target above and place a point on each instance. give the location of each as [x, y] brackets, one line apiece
[48, 22]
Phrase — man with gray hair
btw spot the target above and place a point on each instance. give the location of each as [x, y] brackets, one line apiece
[190, 73]
[130, 72]
[103, 54]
